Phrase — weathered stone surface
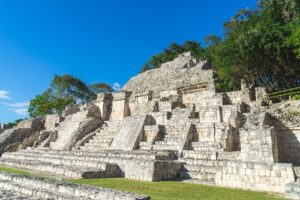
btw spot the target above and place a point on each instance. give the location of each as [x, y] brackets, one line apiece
[165, 124]
[70, 110]
[17, 137]
[183, 71]
[76, 126]
[130, 131]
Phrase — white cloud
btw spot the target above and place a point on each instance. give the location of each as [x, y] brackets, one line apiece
[117, 86]
[4, 94]
[19, 108]
[20, 111]
[17, 105]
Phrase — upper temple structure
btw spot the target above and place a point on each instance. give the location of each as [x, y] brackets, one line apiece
[165, 124]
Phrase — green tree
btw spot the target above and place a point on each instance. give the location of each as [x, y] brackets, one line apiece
[172, 52]
[64, 90]
[255, 47]
[67, 86]
[97, 88]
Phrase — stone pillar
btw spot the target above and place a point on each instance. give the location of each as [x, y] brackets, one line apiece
[104, 102]
[120, 105]
[260, 94]
[247, 93]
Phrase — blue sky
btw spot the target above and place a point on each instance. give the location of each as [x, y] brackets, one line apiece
[94, 40]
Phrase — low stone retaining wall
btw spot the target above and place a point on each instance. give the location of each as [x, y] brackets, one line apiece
[37, 188]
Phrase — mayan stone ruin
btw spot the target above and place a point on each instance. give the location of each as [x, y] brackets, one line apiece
[165, 124]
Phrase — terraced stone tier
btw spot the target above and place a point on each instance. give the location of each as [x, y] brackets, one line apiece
[139, 165]
[70, 167]
[24, 187]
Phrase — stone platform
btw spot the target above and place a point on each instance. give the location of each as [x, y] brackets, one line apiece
[139, 165]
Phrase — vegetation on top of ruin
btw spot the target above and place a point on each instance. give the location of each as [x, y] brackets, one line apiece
[261, 46]
[65, 90]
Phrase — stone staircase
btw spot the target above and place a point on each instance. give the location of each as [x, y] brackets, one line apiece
[172, 134]
[14, 187]
[201, 171]
[201, 150]
[151, 134]
[103, 137]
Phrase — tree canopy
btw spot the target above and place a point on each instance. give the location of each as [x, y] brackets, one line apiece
[172, 52]
[65, 90]
[261, 46]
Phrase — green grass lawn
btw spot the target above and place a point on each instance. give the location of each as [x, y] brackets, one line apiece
[172, 190]
[166, 190]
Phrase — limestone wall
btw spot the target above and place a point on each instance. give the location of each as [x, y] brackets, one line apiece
[255, 176]
[201, 99]
[259, 145]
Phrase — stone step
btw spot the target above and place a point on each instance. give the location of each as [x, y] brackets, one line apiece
[168, 142]
[99, 141]
[203, 162]
[100, 137]
[163, 147]
[99, 146]
[37, 188]
[145, 145]
[207, 177]
[94, 155]
[211, 155]
[200, 168]
[94, 148]
[66, 161]
[151, 128]
[78, 158]
[173, 137]
[203, 146]
[63, 170]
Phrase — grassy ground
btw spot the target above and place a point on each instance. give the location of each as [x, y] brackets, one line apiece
[167, 190]
[171, 190]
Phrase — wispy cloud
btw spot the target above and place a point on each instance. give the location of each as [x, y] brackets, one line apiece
[17, 105]
[117, 86]
[4, 94]
[19, 108]
[21, 111]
